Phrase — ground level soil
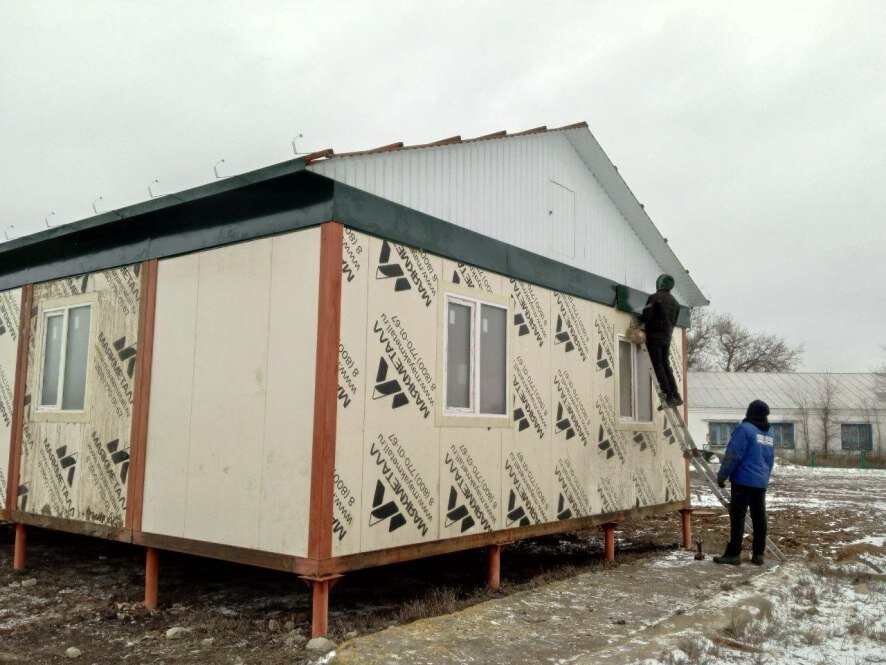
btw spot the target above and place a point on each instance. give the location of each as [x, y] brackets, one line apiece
[86, 592]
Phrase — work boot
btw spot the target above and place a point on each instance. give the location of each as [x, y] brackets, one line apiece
[730, 559]
[675, 400]
[757, 560]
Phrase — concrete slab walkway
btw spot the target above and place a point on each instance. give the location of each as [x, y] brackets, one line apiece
[564, 622]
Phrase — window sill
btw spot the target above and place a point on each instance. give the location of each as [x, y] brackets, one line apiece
[631, 426]
[60, 417]
[468, 420]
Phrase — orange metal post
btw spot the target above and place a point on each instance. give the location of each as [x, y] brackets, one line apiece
[18, 557]
[494, 579]
[609, 541]
[152, 575]
[686, 517]
[320, 617]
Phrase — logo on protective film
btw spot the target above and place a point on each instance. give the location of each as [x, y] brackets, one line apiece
[388, 269]
[22, 494]
[603, 362]
[456, 512]
[382, 510]
[387, 388]
[67, 462]
[521, 419]
[120, 458]
[516, 513]
[564, 512]
[126, 354]
[604, 443]
[668, 434]
[520, 322]
[563, 424]
[562, 335]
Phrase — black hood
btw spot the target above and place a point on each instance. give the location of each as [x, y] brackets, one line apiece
[758, 414]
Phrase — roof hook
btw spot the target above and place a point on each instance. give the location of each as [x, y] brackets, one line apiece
[215, 168]
[46, 220]
[96, 201]
[294, 149]
[8, 229]
[153, 182]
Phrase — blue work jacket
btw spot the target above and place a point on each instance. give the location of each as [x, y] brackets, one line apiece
[749, 457]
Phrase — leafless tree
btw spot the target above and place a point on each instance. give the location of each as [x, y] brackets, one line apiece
[803, 404]
[825, 407]
[717, 342]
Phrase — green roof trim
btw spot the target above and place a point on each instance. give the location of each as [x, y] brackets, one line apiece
[275, 200]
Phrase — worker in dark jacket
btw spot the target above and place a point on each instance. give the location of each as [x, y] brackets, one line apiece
[659, 318]
[747, 463]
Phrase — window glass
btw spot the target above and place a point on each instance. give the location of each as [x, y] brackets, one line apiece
[458, 356]
[625, 379]
[857, 436]
[76, 353]
[52, 357]
[644, 387]
[493, 359]
[719, 433]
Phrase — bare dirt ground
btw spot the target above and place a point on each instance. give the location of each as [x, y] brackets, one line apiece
[86, 594]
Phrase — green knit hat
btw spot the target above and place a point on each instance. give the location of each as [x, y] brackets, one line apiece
[664, 282]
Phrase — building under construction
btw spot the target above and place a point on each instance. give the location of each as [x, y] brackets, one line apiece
[344, 360]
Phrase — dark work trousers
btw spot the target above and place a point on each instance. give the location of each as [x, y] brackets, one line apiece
[659, 351]
[744, 497]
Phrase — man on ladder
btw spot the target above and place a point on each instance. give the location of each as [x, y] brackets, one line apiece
[659, 317]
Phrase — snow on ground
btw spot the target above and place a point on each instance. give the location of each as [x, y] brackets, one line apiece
[797, 614]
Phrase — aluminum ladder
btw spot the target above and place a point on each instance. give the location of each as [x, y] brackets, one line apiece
[684, 438]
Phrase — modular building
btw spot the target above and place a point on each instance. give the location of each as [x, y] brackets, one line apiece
[811, 412]
[344, 360]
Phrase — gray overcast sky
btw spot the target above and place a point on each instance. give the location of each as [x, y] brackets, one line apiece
[754, 133]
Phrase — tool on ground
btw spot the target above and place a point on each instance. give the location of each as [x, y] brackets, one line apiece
[699, 556]
[684, 438]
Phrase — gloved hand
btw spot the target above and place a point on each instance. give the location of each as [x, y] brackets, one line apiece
[721, 482]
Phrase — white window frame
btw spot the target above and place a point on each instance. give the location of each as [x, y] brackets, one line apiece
[474, 303]
[64, 312]
[632, 422]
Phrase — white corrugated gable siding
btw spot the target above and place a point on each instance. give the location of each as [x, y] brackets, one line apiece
[516, 190]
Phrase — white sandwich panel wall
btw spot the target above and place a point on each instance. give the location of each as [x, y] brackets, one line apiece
[230, 428]
[563, 452]
[75, 463]
[10, 308]
[531, 191]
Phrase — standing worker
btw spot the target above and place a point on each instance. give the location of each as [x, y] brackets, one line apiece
[660, 316]
[748, 462]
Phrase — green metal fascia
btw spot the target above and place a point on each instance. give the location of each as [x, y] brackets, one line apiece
[277, 200]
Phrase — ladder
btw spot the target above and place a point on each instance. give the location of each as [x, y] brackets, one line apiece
[684, 438]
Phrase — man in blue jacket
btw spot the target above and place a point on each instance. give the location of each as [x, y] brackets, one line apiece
[747, 463]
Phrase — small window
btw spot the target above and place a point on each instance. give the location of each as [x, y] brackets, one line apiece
[476, 357]
[857, 436]
[635, 387]
[65, 358]
[720, 432]
[782, 434]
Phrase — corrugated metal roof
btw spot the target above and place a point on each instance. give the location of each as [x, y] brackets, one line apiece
[606, 173]
[788, 390]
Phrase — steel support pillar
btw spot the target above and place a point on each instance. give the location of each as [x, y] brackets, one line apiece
[320, 587]
[609, 541]
[493, 581]
[18, 556]
[152, 577]
[686, 519]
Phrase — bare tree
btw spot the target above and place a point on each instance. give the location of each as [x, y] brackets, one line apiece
[825, 407]
[717, 342]
[803, 403]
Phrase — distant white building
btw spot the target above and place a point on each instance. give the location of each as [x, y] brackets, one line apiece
[809, 411]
